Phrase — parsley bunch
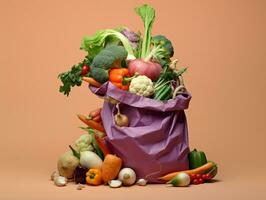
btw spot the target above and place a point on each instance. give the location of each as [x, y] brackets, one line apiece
[72, 77]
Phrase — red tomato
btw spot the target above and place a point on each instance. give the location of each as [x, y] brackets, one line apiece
[85, 70]
[195, 181]
[204, 176]
[200, 181]
[208, 177]
[192, 176]
[198, 176]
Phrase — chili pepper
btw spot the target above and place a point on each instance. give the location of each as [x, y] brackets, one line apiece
[102, 145]
[94, 176]
[118, 77]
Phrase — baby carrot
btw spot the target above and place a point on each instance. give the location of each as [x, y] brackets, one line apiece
[91, 81]
[91, 123]
[199, 170]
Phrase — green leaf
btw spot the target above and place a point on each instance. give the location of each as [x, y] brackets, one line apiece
[147, 14]
[72, 77]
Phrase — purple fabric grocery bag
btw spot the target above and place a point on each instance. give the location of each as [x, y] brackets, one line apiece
[156, 141]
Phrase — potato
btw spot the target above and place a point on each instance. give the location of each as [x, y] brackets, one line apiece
[67, 164]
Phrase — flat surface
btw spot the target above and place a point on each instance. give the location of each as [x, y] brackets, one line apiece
[36, 186]
[222, 42]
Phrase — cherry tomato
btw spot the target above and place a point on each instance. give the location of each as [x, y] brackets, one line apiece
[85, 70]
[208, 177]
[195, 181]
[198, 176]
[192, 176]
[200, 181]
[204, 176]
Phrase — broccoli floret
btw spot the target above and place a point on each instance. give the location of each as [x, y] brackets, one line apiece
[112, 54]
[165, 44]
[103, 61]
[162, 49]
[119, 52]
[99, 74]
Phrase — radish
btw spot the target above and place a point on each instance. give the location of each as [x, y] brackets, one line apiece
[145, 67]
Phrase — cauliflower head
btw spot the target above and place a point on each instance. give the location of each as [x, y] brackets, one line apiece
[142, 85]
[83, 143]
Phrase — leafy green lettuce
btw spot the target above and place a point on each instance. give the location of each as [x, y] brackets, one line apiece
[94, 44]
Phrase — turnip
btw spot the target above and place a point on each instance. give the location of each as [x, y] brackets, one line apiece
[180, 180]
[89, 159]
[154, 50]
[127, 176]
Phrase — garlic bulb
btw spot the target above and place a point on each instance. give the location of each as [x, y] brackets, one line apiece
[127, 176]
[142, 182]
[115, 183]
[60, 181]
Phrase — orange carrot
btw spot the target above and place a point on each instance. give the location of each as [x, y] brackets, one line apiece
[97, 118]
[95, 112]
[91, 81]
[199, 170]
[91, 123]
[111, 167]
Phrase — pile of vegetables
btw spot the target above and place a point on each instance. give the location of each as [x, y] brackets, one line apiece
[138, 63]
[141, 64]
[89, 161]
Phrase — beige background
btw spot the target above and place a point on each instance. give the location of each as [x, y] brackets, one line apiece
[223, 44]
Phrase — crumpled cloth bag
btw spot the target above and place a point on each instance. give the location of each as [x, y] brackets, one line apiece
[156, 141]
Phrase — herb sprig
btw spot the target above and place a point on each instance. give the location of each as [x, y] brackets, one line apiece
[72, 77]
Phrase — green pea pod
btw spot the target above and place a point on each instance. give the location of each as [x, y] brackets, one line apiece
[196, 159]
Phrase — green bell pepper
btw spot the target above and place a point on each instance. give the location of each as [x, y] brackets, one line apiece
[196, 159]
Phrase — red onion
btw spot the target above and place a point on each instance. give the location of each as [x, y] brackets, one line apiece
[147, 68]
